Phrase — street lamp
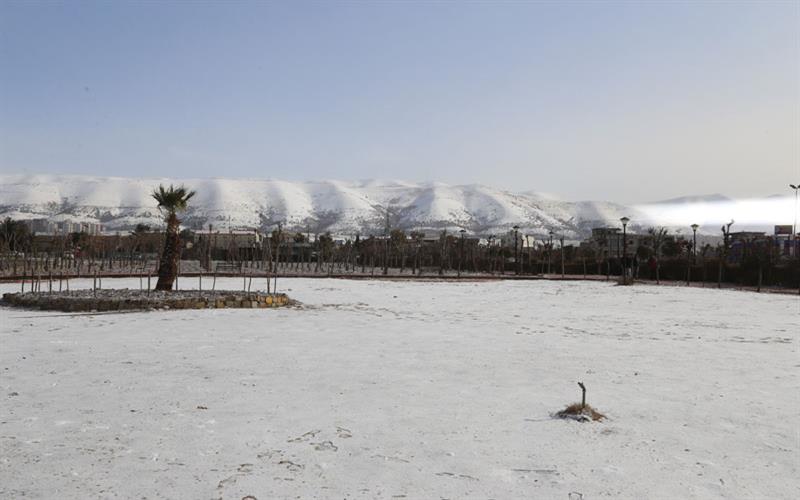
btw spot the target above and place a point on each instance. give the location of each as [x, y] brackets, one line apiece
[277, 257]
[562, 256]
[694, 242]
[461, 255]
[794, 226]
[516, 250]
[528, 251]
[549, 251]
[624, 221]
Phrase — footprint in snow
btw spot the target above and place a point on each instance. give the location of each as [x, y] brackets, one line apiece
[325, 446]
[305, 437]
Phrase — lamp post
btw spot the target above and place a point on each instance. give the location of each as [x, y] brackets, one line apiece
[277, 258]
[624, 221]
[443, 252]
[516, 250]
[386, 235]
[549, 251]
[562, 256]
[461, 254]
[694, 243]
[796, 187]
[528, 251]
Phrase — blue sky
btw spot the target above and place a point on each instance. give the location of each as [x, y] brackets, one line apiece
[591, 100]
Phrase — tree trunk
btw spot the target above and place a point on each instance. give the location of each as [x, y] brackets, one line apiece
[168, 267]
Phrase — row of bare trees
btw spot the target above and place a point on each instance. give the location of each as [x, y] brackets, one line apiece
[405, 253]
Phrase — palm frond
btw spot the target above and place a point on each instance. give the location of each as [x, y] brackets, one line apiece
[172, 199]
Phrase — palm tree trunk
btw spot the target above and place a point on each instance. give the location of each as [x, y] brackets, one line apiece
[168, 267]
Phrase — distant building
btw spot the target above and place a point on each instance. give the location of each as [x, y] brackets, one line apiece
[91, 228]
[66, 227]
[41, 226]
[607, 241]
[742, 241]
[229, 240]
[788, 246]
[748, 236]
[508, 239]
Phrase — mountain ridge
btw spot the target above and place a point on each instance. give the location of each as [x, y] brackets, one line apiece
[341, 207]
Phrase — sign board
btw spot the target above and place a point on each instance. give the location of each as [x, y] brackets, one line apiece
[785, 229]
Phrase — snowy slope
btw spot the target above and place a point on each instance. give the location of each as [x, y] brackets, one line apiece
[348, 207]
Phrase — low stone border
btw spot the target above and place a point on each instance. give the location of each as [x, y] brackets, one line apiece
[130, 300]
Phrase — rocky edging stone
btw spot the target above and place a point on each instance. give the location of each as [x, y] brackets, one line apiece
[126, 300]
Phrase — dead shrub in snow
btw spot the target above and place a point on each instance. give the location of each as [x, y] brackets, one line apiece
[581, 413]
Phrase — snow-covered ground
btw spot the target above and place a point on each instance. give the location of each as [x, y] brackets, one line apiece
[408, 390]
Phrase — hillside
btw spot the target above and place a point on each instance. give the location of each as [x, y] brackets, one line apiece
[345, 207]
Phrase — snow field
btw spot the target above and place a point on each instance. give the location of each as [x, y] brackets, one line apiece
[378, 389]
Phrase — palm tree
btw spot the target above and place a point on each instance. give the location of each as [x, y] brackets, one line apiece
[170, 201]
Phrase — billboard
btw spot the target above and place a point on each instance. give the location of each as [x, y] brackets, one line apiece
[784, 229]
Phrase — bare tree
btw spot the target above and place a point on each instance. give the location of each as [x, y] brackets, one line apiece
[657, 236]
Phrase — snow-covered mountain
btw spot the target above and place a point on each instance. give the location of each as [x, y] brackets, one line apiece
[340, 207]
